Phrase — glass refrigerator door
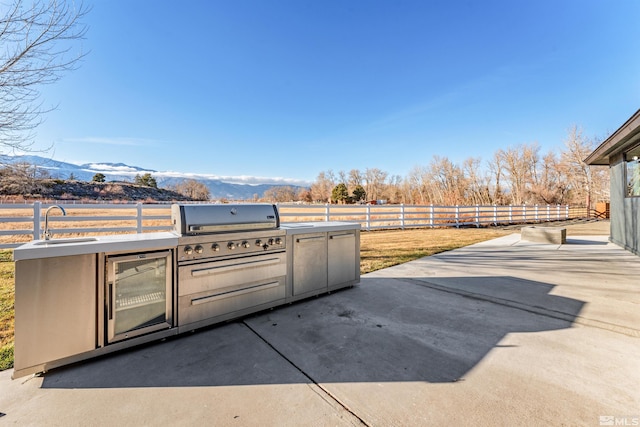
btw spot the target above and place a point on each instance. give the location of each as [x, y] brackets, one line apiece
[139, 288]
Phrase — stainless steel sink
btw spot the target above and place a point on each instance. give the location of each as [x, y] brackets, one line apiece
[65, 241]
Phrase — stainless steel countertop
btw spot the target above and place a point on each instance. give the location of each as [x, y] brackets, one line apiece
[145, 241]
[318, 227]
[88, 245]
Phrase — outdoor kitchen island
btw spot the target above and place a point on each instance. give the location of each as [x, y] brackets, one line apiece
[81, 298]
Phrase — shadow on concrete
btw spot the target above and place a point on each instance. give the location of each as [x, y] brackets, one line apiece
[585, 242]
[385, 329]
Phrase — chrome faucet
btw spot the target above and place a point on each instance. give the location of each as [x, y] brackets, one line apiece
[47, 234]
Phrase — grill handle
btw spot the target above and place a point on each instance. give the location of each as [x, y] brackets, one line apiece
[238, 266]
[216, 297]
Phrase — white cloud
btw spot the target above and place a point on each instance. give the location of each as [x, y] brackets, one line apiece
[242, 179]
[121, 169]
[113, 141]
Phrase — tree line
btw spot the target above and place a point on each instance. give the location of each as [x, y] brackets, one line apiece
[516, 175]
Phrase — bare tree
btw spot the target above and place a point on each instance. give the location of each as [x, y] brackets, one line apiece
[446, 182]
[416, 183]
[193, 189]
[342, 177]
[393, 189]
[520, 164]
[355, 178]
[496, 170]
[37, 48]
[21, 179]
[549, 184]
[477, 182]
[584, 181]
[374, 182]
[280, 193]
[304, 195]
[321, 188]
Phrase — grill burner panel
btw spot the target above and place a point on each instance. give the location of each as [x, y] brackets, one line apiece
[225, 245]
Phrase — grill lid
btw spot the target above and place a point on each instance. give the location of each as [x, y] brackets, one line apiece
[205, 219]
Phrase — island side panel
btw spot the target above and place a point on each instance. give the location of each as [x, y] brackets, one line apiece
[55, 309]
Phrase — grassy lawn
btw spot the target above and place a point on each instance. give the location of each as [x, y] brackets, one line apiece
[7, 295]
[384, 248]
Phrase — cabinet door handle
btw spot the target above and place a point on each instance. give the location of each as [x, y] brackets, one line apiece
[111, 301]
[308, 239]
[342, 236]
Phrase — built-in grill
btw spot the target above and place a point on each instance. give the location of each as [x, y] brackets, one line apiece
[231, 261]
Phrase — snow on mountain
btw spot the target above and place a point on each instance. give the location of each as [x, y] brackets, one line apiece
[237, 188]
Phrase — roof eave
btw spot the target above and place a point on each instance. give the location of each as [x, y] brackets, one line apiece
[627, 135]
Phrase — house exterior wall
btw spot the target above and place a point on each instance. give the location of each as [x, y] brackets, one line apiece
[625, 211]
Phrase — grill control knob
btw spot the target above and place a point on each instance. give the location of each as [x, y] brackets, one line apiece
[270, 242]
[199, 249]
[258, 242]
[245, 244]
[278, 241]
[231, 246]
[215, 247]
[188, 250]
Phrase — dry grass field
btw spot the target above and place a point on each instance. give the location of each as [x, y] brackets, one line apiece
[378, 249]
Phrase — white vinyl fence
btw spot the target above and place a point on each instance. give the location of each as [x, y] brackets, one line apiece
[20, 223]
[372, 217]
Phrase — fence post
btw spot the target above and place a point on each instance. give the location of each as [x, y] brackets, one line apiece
[327, 214]
[477, 216]
[402, 216]
[368, 217]
[36, 220]
[495, 215]
[524, 212]
[139, 217]
[567, 212]
[431, 215]
[510, 214]
[457, 216]
[548, 213]
[558, 211]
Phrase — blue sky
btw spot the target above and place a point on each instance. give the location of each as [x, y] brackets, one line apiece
[286, 89]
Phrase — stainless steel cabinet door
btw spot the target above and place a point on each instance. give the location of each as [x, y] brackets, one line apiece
[309, 263]
[343, 257]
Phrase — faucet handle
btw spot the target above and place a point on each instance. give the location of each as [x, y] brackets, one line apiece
[46, 233]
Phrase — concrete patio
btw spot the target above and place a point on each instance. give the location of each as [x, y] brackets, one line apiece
[505, 332]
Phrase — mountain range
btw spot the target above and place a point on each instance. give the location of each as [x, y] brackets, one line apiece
[219, 188]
